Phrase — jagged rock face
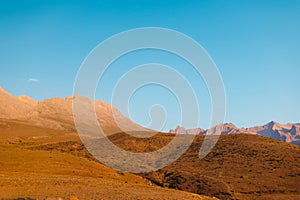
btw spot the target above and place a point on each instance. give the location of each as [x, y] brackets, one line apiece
[182, 130]
[57, 113]
[285, 132]
[229, 128]
[15, 108]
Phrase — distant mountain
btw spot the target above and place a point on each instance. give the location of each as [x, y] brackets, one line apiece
[285, 132]
[182, 130]
[56, 113]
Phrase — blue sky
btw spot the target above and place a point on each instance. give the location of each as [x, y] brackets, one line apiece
[255, 44]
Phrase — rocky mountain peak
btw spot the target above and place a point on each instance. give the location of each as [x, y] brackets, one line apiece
[285, 132]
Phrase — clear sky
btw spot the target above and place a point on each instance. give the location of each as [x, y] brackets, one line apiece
[255, 44]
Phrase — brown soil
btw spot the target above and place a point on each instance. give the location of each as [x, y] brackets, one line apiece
[56, 164]
[240, 166]
[40, 163]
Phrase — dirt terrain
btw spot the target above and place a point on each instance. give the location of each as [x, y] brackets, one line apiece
[41, 163]
[240, 166]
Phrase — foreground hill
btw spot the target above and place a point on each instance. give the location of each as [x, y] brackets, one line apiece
[285, 132]
[240, 166]
[42, 163]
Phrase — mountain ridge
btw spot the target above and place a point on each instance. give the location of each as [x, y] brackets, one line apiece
[56, 113]
[289, 132]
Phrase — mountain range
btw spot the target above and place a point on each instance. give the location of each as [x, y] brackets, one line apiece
[56, 113]
[285, 132]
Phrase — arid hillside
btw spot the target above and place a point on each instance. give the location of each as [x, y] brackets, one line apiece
[42, 163]
[240, 166]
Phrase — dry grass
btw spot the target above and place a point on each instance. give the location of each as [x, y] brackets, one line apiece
[240, 166]
[38, 163]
